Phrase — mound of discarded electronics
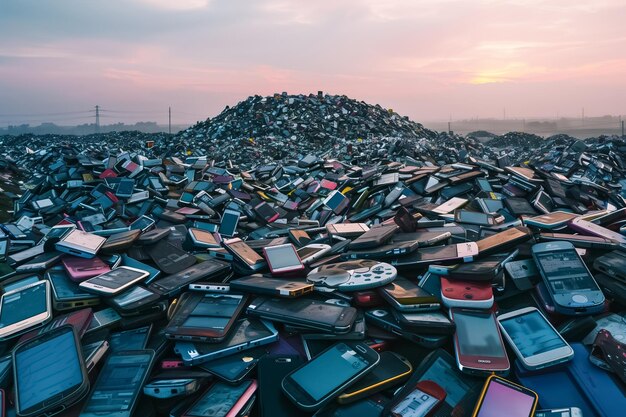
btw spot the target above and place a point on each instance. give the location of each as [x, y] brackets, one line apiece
[301, 255]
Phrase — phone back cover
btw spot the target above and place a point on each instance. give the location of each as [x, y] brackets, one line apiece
[272, 401]
[603, 389]
[556, 389]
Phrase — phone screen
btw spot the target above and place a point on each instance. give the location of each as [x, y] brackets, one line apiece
[116, 278]
[47, 369]
[565, 271]
[213, 312]
[531, 334]
[129, 340]
[501, 399]
[119, 383]
[446, 376]
[416, 404]
[334, 201]
[23, 304]
[473, 217]
[478, 334]
[132, 296]
[338, 365]
[218, 400]
[282, 256]
[229, 222]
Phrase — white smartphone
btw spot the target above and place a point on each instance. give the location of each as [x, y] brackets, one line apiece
[115, 280]
[535, 342]
[312, 252]
[25, 308]
[450, 205]
[79, 243]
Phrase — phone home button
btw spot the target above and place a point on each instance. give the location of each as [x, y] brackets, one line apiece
[579, 298]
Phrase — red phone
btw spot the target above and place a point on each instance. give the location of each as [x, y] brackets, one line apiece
[369, 298]
[466, 294]
[81, 269]
[422, 401]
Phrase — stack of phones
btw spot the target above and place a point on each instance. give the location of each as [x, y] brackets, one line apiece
[136, 283]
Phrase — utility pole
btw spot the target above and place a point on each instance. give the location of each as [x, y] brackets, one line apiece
[583, 116]
[622, 129]
[170, 120]
[448, 127]
[97, 119]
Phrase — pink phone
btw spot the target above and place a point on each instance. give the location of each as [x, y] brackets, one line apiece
[81, 269]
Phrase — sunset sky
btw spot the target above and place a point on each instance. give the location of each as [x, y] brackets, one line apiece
[428, 59]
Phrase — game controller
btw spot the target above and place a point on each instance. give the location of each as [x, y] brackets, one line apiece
[352, 275]
[466, 294]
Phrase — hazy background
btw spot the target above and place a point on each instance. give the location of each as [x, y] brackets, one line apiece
[433, 60]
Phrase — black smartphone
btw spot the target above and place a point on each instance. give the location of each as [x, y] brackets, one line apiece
[134, 339]
[258, 284]
[116, 392]
[317, 382]
[305, 312]
[205, 316]
[169, 258]
[137, 298]
[209, 270]
[271, 371]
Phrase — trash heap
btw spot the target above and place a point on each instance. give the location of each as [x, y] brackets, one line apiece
[251, 267]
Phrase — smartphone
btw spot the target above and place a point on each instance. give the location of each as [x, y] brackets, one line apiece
[283, 259]
[266, 212]
[312, 252]
[502, 240]
[171, 285]
[49, 373]
[460, 251]
[205, 316]
[299, 237]
[534, 340]
[24, 308]
[114, 281]
[374, 237]
[456, 293]
[80, 269]
[119, 242]
[245, 254]
[171, 388]
[478, 344]
[580, 241]
[103, 319]
[336, 201]
[327, 375]
[391, 370]
[66, 294]
[134, 299]
[116, 391]
[503, 397]
[568, 280]
[228, 225]
[143, 223]
[271, 371]
[405, 295]
[304, 312]
[587, 227]
[258, 284]
[474, 217]
[202, 238]
[79, 243]
[348, 230]
[450, 205]
[422, 401]
[169, 258]
[135, 339]
[551, 220]
[429, 322]
[223, 399]
[246, 334]
[125, 188]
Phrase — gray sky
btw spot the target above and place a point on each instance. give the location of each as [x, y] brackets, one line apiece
[428, 59]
